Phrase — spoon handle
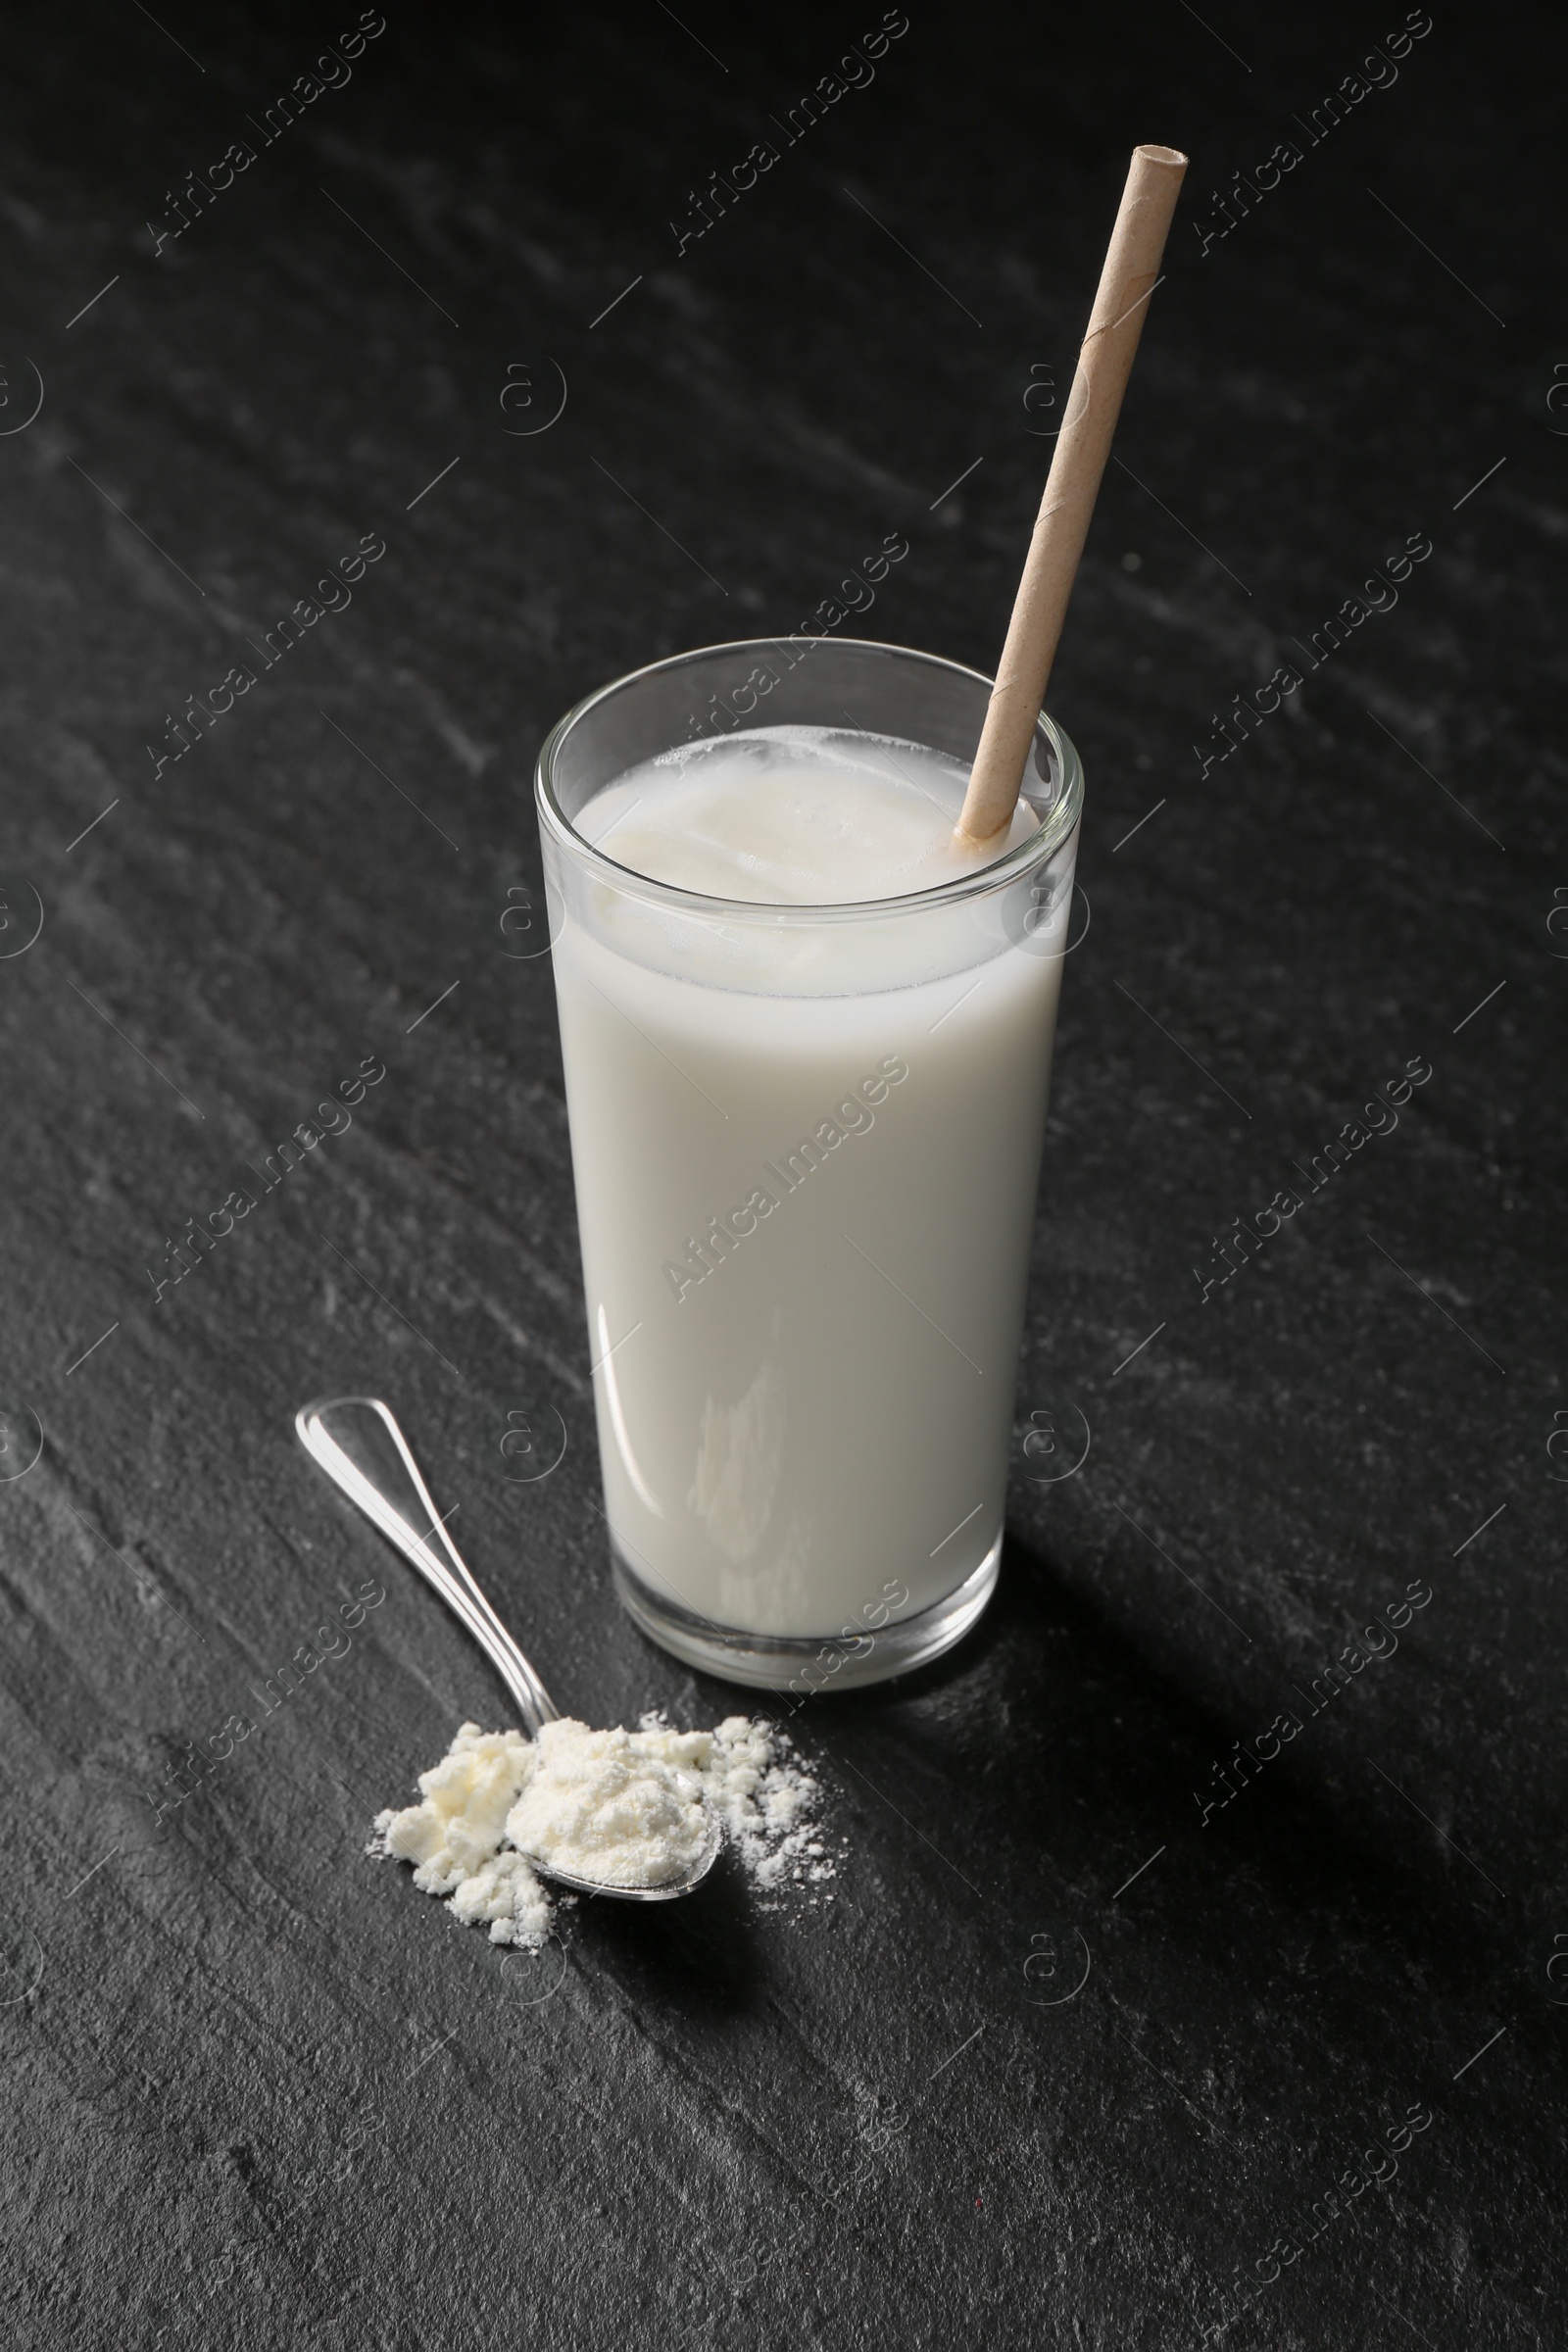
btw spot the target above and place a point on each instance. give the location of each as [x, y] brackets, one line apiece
[358, 1442]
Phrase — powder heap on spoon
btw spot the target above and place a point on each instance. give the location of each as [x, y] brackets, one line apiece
[625, 1809]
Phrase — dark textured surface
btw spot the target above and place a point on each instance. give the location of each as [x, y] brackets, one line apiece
[258, 2091]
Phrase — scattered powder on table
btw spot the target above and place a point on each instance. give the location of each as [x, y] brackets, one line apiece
[625, 1809]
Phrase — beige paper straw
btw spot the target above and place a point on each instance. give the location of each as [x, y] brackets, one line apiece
[1129, 278]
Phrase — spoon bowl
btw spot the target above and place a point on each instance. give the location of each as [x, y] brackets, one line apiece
[358, 1442]
[661, 1893]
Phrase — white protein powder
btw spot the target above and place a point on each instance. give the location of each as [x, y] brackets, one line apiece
[623, 1808]
[453, 1837]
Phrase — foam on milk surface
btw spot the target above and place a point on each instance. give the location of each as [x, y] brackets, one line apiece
[806, 816]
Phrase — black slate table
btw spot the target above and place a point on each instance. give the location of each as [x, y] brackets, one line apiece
[1133, 2020]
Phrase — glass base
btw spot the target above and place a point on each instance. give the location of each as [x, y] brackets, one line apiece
[806, 1664]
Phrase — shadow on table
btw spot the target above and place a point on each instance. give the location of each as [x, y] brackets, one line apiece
[701, 1951]
[1047, 1739]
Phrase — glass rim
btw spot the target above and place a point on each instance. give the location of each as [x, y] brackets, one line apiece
[1056, 828]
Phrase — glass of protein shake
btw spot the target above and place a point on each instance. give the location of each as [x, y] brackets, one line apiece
[806, 1042]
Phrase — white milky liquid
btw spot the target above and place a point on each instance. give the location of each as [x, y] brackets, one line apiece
[805, 1217]
[797, 817]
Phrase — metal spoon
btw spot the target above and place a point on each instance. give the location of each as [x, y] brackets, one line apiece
[359, 1444]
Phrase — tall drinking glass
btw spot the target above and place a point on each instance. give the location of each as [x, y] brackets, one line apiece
[806, 1141]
